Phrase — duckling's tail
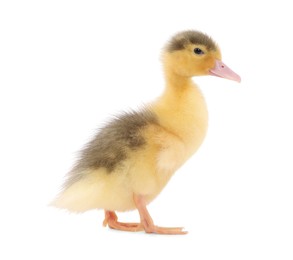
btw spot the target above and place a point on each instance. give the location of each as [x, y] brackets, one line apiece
[78, 197]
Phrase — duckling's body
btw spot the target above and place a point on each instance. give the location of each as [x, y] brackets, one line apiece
[132, 158]
[165, 139]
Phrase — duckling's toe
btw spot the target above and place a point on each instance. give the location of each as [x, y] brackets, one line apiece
[111, 220]
[166, 230]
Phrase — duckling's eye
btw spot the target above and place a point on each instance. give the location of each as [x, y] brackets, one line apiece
[198, 51]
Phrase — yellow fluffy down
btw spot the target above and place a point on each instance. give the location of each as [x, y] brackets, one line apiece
[147, 170]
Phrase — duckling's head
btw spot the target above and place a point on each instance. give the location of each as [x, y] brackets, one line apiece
[192, 53]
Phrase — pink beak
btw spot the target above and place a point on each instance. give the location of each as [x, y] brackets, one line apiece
[223, 71]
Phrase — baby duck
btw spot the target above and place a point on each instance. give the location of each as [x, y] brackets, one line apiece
[132, 158]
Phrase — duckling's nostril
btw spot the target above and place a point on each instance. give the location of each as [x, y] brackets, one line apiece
[222, 66]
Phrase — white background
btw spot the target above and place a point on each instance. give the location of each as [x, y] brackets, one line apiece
[65, 66]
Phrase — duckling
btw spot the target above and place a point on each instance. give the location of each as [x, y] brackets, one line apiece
[131, 159]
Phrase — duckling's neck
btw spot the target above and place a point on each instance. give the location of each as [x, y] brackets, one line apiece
[182, 109]
[177, 82]
[181, 93]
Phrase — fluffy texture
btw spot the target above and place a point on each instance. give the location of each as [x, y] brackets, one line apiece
[180, 40]
[112, 144]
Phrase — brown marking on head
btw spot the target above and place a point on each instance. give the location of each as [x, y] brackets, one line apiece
[182, 39]
[112, 144]
[189, 54]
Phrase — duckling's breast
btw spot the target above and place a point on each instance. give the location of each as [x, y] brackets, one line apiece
[185, 116]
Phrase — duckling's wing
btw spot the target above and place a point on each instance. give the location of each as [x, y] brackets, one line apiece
[112, 144]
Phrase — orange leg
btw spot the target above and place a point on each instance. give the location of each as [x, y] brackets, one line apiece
[146, 222]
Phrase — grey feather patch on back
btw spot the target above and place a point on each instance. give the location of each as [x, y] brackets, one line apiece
[180, 40]
[112, 144]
